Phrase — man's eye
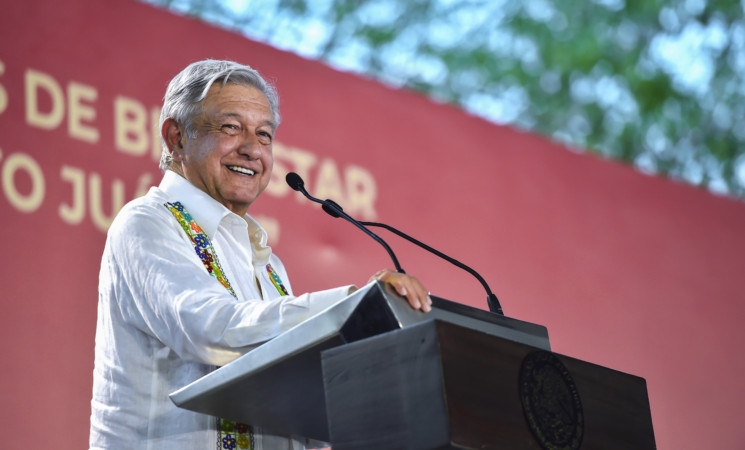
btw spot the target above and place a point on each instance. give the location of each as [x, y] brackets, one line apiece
[230, 128]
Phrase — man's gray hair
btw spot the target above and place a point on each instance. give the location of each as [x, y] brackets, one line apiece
[185, 92]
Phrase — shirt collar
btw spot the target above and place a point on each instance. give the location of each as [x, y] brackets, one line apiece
[208, 212]
[258, 237]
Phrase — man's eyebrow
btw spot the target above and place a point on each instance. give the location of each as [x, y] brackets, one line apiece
[235, 115]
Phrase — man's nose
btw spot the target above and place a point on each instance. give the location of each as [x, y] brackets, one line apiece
[250, 146]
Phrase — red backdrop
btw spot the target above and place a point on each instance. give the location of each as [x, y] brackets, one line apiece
[632, 272]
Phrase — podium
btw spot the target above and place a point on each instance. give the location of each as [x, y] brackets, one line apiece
[370, 372]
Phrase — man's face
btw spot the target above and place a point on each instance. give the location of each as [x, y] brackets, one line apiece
[231, 157]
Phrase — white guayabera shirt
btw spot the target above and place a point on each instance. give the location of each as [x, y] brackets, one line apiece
[164, 321]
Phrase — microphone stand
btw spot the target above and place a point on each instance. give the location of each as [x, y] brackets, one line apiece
[491, 299]
[333, 209]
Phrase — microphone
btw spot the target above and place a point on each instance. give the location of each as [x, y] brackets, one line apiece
[491, 299]
[331, 208]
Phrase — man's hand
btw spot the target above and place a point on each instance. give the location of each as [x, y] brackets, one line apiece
[408, 287]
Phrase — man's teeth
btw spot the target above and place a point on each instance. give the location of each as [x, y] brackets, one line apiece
[242, 170]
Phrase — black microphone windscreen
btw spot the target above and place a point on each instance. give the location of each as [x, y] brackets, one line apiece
[294, 180]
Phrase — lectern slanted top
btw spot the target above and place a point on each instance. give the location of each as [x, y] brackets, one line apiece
[279, 385]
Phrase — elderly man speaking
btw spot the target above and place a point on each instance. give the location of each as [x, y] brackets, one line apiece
[187, 282]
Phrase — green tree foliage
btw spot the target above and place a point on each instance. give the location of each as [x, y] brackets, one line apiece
[657, 84]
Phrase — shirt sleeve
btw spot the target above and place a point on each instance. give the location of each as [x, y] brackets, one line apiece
[161, 287]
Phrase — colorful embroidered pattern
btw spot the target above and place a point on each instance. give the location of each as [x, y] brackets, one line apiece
[234, 435]
[276, 280]
[202, 245]
[230, 434]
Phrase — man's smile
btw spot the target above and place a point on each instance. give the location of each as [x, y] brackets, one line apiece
[242, 170]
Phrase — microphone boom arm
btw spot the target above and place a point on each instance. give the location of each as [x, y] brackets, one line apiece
[334, 210]
[340, 213]
[492, 300]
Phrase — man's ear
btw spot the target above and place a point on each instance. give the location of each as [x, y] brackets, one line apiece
[173, 136]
